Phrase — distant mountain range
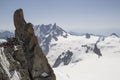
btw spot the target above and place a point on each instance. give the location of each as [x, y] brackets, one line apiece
[62, 47]
[6, 34]
[47, 33]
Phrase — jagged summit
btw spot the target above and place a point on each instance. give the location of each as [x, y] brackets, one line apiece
[114, 34]
[53, 30]
[47, 33]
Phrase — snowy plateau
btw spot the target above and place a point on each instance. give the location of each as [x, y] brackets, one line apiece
[74, 57]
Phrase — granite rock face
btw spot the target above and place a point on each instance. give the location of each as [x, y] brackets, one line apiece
[36, 61]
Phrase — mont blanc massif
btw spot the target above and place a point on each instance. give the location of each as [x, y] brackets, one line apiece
[48, 52]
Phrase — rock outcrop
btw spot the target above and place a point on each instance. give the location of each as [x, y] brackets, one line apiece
[114, 34]
[87, 36]
[36, 62]
[64, 58]
[97, 51]
[94, 48]
[13, 65]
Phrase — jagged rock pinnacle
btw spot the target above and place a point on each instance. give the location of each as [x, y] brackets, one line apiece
[36, 61]
[19, 18]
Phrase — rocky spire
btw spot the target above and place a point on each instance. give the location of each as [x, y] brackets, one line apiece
[36, 61]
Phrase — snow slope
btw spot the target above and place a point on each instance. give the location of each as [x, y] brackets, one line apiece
[72, 43]
[84, 64]
[79, 45]
[91, 68]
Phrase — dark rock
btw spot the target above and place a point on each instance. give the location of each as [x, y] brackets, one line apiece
[93, 48]
[14, 64]
[114, 34]
[64, 57]
[88, 36]
[37, 63]
[97, 50]
[88, 48]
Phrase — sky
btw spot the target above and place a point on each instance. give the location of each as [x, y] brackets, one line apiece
[80, 16]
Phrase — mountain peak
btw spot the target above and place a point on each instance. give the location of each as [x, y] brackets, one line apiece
[54, 24]
[114, 34]
[48, 33]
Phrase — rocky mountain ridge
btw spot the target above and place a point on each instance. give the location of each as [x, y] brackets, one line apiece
[47, 33]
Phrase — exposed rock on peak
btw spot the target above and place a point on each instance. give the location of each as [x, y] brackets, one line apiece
[88, 36]
[47, 33]
[36, 61]
[19, 18]
[114, 34]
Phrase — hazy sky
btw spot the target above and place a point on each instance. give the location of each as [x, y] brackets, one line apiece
[92, 16]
